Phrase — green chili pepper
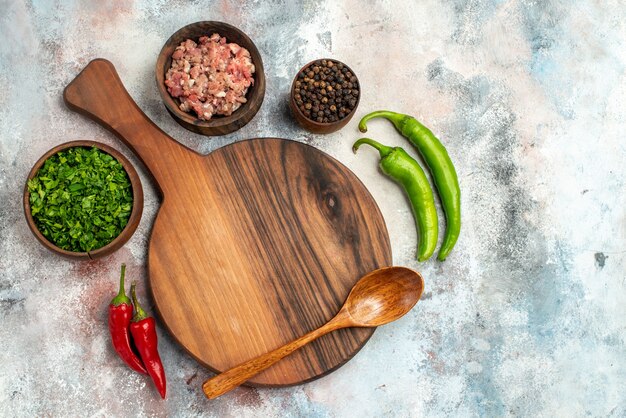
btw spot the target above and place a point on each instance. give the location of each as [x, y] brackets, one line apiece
[401, 167]
[440, 165]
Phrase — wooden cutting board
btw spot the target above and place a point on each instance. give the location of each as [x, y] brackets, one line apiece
[254, 245]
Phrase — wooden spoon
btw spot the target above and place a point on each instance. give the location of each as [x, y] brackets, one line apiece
[378, 298]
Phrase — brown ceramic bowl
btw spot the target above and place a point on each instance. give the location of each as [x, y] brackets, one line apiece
[135, 214]
[312, 125]
[217, 125]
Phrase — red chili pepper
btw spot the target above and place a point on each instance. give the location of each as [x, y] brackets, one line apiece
[120, 314]
[143, 330]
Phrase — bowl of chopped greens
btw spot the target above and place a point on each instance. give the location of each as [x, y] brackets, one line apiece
[83, 199]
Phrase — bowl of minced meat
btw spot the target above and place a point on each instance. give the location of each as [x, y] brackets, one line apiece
[210, 76]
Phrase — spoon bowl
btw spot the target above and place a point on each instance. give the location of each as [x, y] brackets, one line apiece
[383, 296]
[378, 298]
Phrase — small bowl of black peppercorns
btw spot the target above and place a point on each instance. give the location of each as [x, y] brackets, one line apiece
[324, 96]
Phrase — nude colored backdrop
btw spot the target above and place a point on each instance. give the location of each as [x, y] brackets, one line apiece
[527, 317]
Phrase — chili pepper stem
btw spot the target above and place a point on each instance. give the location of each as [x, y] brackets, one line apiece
[140, 314]
[440, 165]
[401, 167]
[121, 295]
[142, 328]
[396, 118]
[384, 150]
[120, 315]
[122, 291]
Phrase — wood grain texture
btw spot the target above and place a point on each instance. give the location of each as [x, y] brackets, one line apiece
[255, 244]
[218, 125]
[232, 378]
[380, 297]
[133, 220]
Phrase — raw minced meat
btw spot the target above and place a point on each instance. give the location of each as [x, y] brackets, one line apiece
[210, 77]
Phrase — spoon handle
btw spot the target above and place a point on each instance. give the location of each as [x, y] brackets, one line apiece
[230, 379]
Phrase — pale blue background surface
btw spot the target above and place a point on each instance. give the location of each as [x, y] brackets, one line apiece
[527, 317]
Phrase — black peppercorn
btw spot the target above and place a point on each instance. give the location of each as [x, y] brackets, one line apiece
[326, 91]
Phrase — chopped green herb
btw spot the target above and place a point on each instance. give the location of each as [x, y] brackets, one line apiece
[81, 199]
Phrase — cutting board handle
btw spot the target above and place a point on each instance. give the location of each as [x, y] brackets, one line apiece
[98, 93]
